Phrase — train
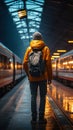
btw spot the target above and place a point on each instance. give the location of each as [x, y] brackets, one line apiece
[62, 68]
[11, 68]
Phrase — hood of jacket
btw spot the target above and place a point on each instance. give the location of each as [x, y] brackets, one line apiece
[37, 44]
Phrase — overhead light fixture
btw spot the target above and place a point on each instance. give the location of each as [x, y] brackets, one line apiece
[56, 54]
[71, 41]
[61, 50]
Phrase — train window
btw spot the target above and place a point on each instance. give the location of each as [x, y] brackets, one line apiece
[63, 65]
[19, 66]
[54, 65]
[60, 64]
[70, 62]
[66, 63]
[2, 59]
[5, 62]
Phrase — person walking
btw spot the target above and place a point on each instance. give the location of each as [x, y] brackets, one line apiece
[38, 76]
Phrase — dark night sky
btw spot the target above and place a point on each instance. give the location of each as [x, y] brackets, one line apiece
[8, 33]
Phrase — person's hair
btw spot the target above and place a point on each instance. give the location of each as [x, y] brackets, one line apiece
[37, 36]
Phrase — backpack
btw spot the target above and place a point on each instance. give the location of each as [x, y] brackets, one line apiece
[36, 64]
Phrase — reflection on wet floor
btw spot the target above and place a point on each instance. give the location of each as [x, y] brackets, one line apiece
[63, 96]
[49, 115]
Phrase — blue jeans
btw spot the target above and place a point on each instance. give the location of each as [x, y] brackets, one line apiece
[43, 90]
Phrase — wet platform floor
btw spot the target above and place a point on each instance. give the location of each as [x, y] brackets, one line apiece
[15, 110]
[63, 96]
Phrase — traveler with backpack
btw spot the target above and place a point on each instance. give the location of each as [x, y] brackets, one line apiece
[37, 65]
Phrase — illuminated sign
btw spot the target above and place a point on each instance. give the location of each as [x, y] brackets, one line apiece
[22, 13]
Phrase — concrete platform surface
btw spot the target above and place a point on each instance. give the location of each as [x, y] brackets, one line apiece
[15, 110]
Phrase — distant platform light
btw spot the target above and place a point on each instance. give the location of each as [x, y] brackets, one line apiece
[52, 58]
[61, 50]
[56, 53]
[22, 13]
[55, 56]
[71, 41]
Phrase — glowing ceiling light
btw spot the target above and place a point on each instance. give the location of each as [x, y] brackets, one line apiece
[18, 26]
[55, 56]
[32, 30]
[71, 41]
[61, 50]
[20, 31]
[56, 53]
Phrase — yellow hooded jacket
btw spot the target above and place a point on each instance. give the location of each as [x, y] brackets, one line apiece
[46, 56]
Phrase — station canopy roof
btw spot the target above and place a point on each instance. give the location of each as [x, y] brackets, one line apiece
[53, 18]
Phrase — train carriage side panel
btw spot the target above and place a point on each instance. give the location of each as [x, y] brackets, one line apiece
[6, 66]
[19, 72]
[63, 67]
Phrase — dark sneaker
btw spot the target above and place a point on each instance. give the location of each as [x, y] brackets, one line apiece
[42, 121]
